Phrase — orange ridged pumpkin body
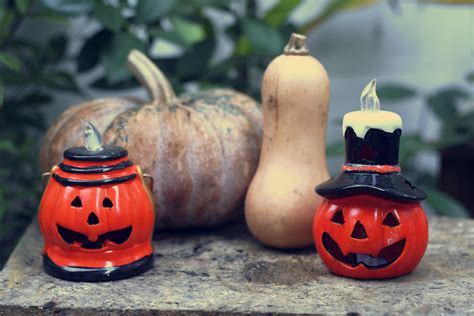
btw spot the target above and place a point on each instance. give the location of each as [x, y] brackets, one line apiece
[96, 214]
[366, 237]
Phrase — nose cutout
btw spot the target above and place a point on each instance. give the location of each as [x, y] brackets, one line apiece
[92, 219]
[359, 231]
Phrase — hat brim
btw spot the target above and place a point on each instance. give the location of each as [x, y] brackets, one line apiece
[391, 186]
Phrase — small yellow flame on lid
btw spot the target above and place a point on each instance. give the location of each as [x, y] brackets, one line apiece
[369, 101]
[91, 137]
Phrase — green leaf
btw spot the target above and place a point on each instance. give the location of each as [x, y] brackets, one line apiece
[443, 204]
[334, 7]
[470, 77]
[3, 208]
[109, 16]
[395, 92]
[56, 48]
[22, 5]
[243, 47]
[194, 63]
[336, 149]
[6, 145]
[34, 99]
[89, 55]
[103, 84]
[443, 103]
[265, 39]
[71, 7]
[6, 20]
[287, 29]
[10, 61]
[62, 81]
[188, 32]
[2, 93]
[50, 15]
[151, 10]
[114, 57]
[165, 48]
[280, 12]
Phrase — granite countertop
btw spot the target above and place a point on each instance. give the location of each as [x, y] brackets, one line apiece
[227, 271]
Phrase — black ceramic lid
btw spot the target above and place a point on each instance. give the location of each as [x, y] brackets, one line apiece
[108, 153]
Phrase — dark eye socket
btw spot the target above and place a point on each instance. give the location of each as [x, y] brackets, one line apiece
[76, 202]
[338, 217]
[107, 203]
[390, 220]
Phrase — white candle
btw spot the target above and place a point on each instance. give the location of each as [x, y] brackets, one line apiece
[370, 115]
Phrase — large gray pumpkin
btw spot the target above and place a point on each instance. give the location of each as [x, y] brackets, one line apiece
[202, 149]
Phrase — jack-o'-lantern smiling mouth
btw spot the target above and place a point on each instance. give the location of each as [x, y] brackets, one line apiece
[72, 237]
[385, 257]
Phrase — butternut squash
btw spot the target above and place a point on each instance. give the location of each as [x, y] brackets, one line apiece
[281, 201]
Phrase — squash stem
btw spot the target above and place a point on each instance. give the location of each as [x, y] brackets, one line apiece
[296, 45]
[150, 76]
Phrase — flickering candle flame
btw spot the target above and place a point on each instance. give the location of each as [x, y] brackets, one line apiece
[92, 138]
[369, 101]
[370, 116]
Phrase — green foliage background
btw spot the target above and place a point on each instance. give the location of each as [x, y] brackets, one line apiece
[457, 129]
[32, 70]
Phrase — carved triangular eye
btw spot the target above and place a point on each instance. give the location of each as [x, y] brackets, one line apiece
[338, 217]
[390, 220]
[107, 203]
[76, 202]
[359, 231]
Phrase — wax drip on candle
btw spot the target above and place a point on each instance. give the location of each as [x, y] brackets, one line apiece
[370, 116]
[369, 101]
[91, 137]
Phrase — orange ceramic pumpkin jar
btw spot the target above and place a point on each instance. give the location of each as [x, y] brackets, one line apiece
[366, 237]
[371, 224]
[96, 217]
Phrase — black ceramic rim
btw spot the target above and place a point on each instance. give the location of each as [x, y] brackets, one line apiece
[92, 183]
[95, 169]
[391, 186]
[97, 274]
[108, 153]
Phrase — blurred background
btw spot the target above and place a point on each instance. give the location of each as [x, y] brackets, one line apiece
[56, 53]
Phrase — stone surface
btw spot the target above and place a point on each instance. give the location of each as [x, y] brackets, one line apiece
[227, 271]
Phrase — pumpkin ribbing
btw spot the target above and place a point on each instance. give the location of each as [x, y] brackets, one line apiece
[201, 148]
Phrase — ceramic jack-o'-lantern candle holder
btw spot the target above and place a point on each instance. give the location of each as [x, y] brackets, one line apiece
[371, 224]
[96, 214]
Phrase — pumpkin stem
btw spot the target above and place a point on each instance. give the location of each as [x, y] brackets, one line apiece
[296, 45]
[150, 76]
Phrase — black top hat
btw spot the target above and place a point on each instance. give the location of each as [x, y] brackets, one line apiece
[372, 168]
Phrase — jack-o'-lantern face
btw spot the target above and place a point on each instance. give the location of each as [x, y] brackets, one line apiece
[95, 226]
[368, 237]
